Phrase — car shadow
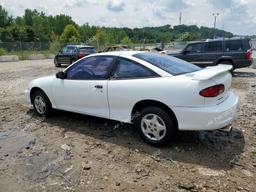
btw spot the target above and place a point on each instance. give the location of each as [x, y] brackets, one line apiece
[63, 66]
[216, 150]
[244, 74]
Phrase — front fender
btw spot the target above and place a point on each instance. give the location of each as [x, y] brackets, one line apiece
[44, 84]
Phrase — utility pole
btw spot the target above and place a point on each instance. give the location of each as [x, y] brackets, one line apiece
[180, 18]
[215, 15]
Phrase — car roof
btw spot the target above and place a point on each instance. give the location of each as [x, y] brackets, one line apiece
[81, 46]
[120, 53]
[220, 39]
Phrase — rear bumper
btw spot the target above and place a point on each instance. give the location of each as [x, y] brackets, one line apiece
[243, 63]
[208, 118]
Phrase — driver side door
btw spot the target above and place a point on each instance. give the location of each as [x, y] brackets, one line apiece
[193, 53]
[84, 89]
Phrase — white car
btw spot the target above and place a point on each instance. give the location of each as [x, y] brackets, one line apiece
[160, 94]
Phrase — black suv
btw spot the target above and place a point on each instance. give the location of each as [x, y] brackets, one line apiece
[235, 51]
[71, 53]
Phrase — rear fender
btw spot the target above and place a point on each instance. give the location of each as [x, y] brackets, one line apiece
[224, 58]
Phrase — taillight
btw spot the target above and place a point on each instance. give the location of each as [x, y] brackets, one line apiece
[248, 55]
[212, 91]
[80, 55]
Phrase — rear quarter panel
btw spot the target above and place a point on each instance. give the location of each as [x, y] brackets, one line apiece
[172, 91]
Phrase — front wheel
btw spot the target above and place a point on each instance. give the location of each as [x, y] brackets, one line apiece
[41, 103]
[155, 126]
[56, 62]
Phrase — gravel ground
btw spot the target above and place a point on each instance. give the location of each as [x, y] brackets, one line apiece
[72, 152]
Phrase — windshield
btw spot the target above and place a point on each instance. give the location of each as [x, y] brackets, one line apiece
[169, 64]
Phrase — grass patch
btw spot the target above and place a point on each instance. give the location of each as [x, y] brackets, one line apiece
[24, 55]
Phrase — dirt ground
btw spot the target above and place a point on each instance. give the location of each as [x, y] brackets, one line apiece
[72, 152]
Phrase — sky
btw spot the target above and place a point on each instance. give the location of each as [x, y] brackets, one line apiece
[236, 16]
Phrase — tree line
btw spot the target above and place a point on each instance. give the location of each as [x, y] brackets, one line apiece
[37, 26]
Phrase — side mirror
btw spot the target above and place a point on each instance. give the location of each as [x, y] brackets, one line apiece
[60, 51]
[61, 75]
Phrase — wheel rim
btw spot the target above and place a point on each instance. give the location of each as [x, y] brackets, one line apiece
[153, 127]
[40, 105]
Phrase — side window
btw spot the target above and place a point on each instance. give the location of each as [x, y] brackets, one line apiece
[129, 69]
[194, 48]
[215, 46]
[91, 68]
[234, 45]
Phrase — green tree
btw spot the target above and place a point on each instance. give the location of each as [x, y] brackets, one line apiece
[60, 22]
[5, 19]
[70, 35]
[28, 17]
[187, 36]
[41, 28]
[37, 26]
[126, 41]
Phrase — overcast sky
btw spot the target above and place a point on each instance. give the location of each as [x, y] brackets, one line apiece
[237, 16]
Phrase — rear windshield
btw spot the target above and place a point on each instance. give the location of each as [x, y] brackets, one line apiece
[87, 50]
[172, 65]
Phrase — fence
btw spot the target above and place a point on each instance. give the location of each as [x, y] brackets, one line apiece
[25, 46]
[43, 46]
[53, 47]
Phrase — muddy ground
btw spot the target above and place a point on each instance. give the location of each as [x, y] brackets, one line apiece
[72, 152]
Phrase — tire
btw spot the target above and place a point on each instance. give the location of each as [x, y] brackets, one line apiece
[155, 126]
[72, 61]
[41, 104]
[228, 63]
[56, 62]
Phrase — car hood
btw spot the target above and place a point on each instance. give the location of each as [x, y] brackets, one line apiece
[42, 81]
[176, 53]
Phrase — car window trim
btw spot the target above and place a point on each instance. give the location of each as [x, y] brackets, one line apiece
[130, 78]
[95, 79]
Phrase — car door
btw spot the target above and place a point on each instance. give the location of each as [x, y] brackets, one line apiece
[235, 50]
[84, 90]
[213, 50]
[192, 53]
[125, 87]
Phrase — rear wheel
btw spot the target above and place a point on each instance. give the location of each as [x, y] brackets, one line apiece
[155, 126]
[41, 103]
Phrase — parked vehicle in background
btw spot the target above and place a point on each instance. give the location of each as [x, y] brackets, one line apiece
[158, 93]
[116, 48]
[70, 53]
[235, 51]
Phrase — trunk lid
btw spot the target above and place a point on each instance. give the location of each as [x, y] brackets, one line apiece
[211, 76]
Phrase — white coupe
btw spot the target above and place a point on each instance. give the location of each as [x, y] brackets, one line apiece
[159, 94]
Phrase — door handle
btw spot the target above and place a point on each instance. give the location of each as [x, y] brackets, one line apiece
[98, 86]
